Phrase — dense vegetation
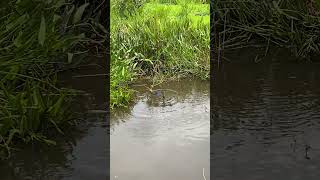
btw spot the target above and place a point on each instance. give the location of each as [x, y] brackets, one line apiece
[158, 39]
[291, 24]
[39, 39]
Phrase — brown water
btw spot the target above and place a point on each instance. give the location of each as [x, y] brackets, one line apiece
[164, 135]
[82, 153]
[266, 121]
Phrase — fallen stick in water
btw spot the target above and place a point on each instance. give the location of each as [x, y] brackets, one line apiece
[204, 177]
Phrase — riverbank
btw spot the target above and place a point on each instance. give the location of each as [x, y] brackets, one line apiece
[38, 41]
[285, 24]
[157, 39]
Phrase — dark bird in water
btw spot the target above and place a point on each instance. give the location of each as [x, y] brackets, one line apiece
[158, 93]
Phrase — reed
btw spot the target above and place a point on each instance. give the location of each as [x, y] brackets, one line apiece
[289, 24]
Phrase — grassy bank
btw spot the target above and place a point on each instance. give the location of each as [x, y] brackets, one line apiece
[39, 39]
[292, 24]
[158, 39]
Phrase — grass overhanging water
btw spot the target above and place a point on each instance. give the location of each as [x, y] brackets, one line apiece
[159, 39]
[290, 24]
[38, 40]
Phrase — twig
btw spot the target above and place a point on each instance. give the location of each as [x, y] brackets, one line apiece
[204, 177]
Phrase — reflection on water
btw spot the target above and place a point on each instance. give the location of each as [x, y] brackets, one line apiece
[266, 121]
[72, 158]
[165, 135]
[81, 154]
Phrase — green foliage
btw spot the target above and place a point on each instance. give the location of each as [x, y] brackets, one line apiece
[317, 4]
[283, 23]
[170, 38]
[31, 111]
[78, 15]
[42, 31]
[38, 39]
[121, 73]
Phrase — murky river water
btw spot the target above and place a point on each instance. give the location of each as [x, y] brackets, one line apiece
[266, 121]
[164, 135]
[82, 153]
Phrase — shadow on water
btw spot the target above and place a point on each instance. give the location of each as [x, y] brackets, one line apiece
[164, 135]
[266, 121]
[79, 154]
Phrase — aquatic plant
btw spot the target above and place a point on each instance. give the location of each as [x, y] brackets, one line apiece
[30, 114]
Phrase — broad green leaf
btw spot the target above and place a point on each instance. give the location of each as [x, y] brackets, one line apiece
[65, 19]
[81, 36]
[17, 41]
[70, 56]
[123, 71]
[102, 28]
[57, 106]
[42, 31]
[59, 3]
[17, 22]
[37, 97]
[49, 142]
[56, 17]
[78, 15]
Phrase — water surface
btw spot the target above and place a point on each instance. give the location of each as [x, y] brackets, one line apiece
[164, 135]
[266, 121]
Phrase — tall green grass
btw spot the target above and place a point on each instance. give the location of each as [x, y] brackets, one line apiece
[39, 39]
[158, 38]
[289, 24]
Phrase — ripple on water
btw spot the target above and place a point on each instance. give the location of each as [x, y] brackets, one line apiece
[182, 120]
[164, 132]
[264, 120]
